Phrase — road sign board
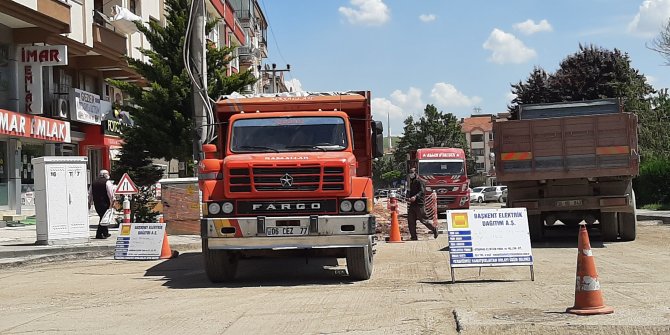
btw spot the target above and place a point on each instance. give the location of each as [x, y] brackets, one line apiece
[126, 186]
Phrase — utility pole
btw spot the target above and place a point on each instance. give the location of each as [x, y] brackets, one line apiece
[199, 69]
[274, 71]
[388, 122]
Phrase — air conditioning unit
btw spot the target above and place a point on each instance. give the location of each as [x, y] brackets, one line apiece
[61, 108]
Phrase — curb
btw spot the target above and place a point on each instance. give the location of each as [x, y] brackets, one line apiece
[29, 257]
[649, 217]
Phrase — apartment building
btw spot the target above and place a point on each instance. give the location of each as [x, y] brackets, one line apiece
[478, 131]
[255, 47]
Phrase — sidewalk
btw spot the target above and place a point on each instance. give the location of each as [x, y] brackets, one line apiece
[17, 245]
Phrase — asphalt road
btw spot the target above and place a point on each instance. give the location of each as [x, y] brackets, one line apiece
[410, 293]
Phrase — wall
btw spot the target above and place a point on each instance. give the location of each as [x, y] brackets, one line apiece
[181, 208]
[8, 88]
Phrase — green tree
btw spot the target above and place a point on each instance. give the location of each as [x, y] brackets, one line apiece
[433, 129]
[162, 108]
[590, 73]
[385, 171]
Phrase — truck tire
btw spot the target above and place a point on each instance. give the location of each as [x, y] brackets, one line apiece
[220, 265]
[536, 228]
[359, 262]
[609, 226]
[628, 223]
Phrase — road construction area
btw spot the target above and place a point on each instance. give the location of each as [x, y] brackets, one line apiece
[410, 293]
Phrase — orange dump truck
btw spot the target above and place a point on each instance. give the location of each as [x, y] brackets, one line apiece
[290, 176]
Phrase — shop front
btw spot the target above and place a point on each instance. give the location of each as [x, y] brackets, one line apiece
[103, 143]
[22, 138]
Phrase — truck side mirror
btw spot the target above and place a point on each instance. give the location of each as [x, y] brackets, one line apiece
[377, 139]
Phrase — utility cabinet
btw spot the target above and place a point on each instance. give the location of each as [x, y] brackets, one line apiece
[61, 200]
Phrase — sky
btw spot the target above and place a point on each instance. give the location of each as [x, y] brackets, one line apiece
[460, 56]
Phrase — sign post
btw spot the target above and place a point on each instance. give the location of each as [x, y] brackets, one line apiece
[126, 187]
[489, 237]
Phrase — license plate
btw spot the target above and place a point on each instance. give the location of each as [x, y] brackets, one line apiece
[568, 203]
[286, 231]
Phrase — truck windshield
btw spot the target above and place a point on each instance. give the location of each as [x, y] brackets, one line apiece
[289, 134]
[440, 168]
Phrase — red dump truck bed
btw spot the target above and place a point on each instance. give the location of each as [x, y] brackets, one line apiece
[587, 146]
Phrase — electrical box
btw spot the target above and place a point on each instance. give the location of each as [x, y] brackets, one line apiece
[61, 200]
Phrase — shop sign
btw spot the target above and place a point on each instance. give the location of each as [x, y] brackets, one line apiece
[113, 127]
[30, 126]
[86, 107]
[32, 59]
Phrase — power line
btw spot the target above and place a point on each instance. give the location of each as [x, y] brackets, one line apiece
[273, 36]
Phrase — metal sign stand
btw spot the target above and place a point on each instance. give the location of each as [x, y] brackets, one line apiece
[532, 272]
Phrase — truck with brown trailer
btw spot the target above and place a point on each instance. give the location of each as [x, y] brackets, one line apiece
[571, 162]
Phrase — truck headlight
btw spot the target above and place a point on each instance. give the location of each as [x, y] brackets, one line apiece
[345, 206]
[213, 208]
[359, 205]
[227, 207]
[429, 189]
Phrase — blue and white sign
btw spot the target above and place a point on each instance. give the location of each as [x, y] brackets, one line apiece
[139, 241]
[489, 237]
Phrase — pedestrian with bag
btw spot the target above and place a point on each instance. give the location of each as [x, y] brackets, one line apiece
[416, 209]
[101, 196]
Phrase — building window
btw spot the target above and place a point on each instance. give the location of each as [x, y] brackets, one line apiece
[479, 166]
[490, 136]
[477, 138]
[478, 152]
[132, 6]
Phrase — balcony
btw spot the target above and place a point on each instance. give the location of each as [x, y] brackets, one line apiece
[108, 41]
[57, 9]
[51, 16]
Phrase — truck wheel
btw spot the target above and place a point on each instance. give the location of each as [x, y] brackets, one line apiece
[359, 262]
[609, 226]
[220, 265]
[628, 223]
[536, 228]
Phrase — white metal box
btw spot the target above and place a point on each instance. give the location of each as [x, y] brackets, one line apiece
[61, 200]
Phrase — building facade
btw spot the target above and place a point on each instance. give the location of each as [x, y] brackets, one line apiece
[478, 131]
[255, 47]
[54, 59]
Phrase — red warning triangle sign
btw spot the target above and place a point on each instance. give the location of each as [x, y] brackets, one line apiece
[126, 186]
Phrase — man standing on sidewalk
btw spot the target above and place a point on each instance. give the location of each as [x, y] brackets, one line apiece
[416, 209]
[102, 197]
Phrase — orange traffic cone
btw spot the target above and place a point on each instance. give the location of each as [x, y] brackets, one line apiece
[166, 251]
[588, 298]
[395, 228]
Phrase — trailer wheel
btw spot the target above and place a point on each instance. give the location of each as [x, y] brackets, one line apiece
[536, 227]
[609, 226]
[220, 265]
[628, 223]
[359, 262]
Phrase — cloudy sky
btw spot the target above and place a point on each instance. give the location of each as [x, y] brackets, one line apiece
[457, 55]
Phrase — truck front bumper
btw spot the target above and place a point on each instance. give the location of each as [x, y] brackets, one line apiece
[324, 231]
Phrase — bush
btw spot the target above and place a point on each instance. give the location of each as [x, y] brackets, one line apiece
[653, 184]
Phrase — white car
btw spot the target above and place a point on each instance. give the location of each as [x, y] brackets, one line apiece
[477, 194]
[491, 193]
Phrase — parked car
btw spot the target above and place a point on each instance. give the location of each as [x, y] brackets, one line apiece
[494, 193]
[477, 194]
[490, 193]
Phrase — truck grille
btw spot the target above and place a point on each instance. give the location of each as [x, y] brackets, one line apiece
[287, 178]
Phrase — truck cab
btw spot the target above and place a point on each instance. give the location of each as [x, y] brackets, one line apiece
[290, 176]
[444, 172]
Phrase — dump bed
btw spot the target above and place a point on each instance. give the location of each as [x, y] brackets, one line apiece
[587, 146]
